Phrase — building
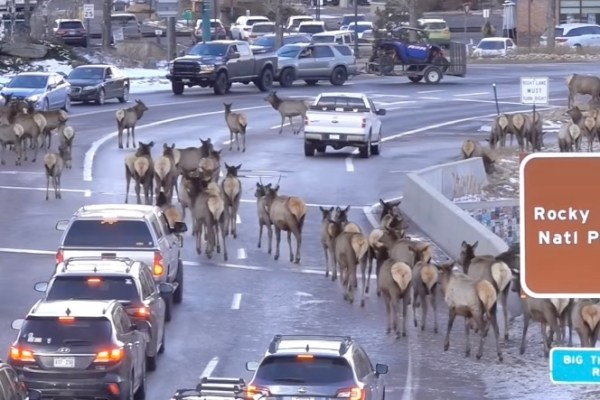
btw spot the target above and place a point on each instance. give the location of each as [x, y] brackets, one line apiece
[566, 11]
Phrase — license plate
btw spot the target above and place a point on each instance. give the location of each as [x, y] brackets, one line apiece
[303, 398]
[72, 32]
[64, 362]
[334, 136]
[185, 80]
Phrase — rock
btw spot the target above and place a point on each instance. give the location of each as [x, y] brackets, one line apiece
[24, 50]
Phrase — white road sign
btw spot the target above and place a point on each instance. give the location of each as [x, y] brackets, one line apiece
[486, 13]
[534, 90]
[88, 11]
[118, 35]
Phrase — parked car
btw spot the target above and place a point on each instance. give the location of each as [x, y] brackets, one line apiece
[217, 30]
[11, 387]
[260, 29]
[48, 90]
[89, 349]
[317, 366]
[293, 22]
[495, 47]
[311, 27]
[315, 62]
[139, 232]
[240, 30]
[266, 43]
[357, 28]
[70, 31]
[127, 281]
[347, 19]
[575, 35]
[98, 82]
[437, 29]
[339, 37]
[129, 23]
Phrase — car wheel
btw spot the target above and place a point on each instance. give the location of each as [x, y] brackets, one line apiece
[101, 97]
[309, 149]
[376, 148]
[125, 97]
[162, 344]
[311, 82]
[338, 76]
[433, 75]
[321, 148]
[140, 393]
[220, 84]
[365, 151]
[67, 106]
[151, 362]
[265, 80]
[177, 88]
[286, 79]
[178, 295]
[415, 79]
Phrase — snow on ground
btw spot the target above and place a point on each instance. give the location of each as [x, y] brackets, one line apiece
[143, 80]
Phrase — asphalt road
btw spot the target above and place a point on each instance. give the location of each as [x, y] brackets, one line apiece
[231, 310]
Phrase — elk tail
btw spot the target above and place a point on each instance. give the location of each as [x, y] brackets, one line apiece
[50, 160]
[162, 167]
[569, 79]
[297, 207]
[429, 277]
[501, 274]
[486, 293]
[590, 314]
[63, 116]
[360, 245]
[574, 131]
[402, 275]
[518, 121]
[560, 304]
[40, 121]
[351, 227]
[68, 132]
[468, 148]
[502, 121]
[18, 130]
[141, 165]
[120, 114]
[243, 121]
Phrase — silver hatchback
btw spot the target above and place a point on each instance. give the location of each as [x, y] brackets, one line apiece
[314, 62]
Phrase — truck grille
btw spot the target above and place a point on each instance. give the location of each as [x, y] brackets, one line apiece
[186, 68]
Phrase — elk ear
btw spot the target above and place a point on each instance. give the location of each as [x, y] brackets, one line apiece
[173, 145]
[395, 203]
[383, 204]
[258, 185]
[331, 209]
[151, 144]
[464, 244]
[487, 139]
[474, 246]
[347, 209]
[226, 166]
[321, 208]
[238, 166]
[165, 146]
[276, 188]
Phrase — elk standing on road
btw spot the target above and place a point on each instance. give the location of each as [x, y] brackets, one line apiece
[583, 84]
[53, 165]
[263, 213]
[54, 120]
[139, 166]
[66, 136]
[288, 109]
[237, 123]
[33, 126]
[127, 118]
[165, 172]
[326, 240]
[395, 282]
[232, 193]
[425, 285]
[11, 134]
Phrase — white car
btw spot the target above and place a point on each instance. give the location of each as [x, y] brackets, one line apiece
[294, 22]
[311, 27]
[240, 30]
[575, 35]
[341, 120]
[360, 27]
[259, 29]
[495, 47]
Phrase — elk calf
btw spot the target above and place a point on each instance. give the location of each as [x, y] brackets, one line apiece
[425, 284]
[11, 134]
[232, 193]
[568, 135]
[53, 165]
[139, 166]
[237, 123]
[127, 118]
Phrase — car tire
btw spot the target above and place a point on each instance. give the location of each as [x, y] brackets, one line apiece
[67, 106]
[140, 393]
[433, 75]
[309, 149]
[338, 76]
[178, 295]
[46, 106]
[415, 79]
[151, 362]
[163, 341]
[220, 84]
[365, 151]
[311, 82]
[286, 78]
[177, 88]
[321, 148]
[100, 99]
[376, 148]
[125, 97]
[265, 80]
[168, 308]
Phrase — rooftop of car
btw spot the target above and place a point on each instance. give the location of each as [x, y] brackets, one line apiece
[114, 211]
[36, 73]
[572, 25]
[71, 308]
[312, 22]
[348, 94]
[96, 266]
[330, 33]
[94, 66]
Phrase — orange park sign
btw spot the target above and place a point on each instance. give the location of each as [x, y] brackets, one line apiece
[560, 225]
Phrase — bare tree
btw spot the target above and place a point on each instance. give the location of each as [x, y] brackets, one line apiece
[106, 24]
[551, 23]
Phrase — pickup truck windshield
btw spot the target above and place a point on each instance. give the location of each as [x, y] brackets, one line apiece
[208, 49]
[341, 102]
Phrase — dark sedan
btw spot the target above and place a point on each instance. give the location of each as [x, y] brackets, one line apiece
[98, 83]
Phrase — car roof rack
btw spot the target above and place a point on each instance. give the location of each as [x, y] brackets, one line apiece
[214, 387]
[344, 346]
[125, 260]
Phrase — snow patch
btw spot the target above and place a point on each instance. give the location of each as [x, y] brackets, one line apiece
[549, 126]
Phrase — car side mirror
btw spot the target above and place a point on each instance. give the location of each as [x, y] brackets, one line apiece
[179, 227]
[381, 369]
[234, 55]
[41, 287]
[34, 394]
[165, 289]
[17, 324]
[381, 111]
[251, 366]
[62, 225]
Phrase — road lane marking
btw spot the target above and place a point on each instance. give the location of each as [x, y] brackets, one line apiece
[238, 219]
[88, 164]
[430, 91]
[87, 193]
[471, 94]
[489, 101]
[26, 251]
[429, 98]
[236, 302]
[22, 172]
[43, 189]
[349, 164]
[210, 368]
[279, 125]
[241, 254]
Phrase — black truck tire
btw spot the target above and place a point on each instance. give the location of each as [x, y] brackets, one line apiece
[178, 295]
[177, 88]
[286, 78]
[264, 82]
[221, 83]
[338, 76]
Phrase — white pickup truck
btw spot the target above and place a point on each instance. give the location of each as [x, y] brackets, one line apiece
[341, 120]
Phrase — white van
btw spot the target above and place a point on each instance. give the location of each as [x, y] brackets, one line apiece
[338, 37]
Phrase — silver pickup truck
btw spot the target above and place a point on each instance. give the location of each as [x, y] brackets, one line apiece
[138, 232]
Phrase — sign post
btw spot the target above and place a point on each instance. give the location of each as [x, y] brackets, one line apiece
[466, 8]
[88, 15]
[534, 90]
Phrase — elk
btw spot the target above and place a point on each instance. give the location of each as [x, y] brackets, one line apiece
[326, 241]
[66, 136]
[263, 213]
[165, 172]
[403, 249]
[586, 321]
[519, 123]
[127, 118]
[188, 159]
[232, 193]
[533, 132]
[493, 269]
[501, 126]
[392, 222]
[53, 165]
[568, 135]
[474, 300]
[11, 134]
[341, 214]
[590, 130]
[425, 284]
[33, 126]
[220, 217]
[395, 281]
[171, 212]
[210, 167]
[583, 84]
[472, 149]
[288, 109]
[287, 213]
[55, 119]
[237, 123]
[139, 166]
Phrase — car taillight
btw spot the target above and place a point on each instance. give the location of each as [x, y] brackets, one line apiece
[561, 39]
[109, 356]
[364, 123]
[255, 390]
[60, 257]
[157, 266]
[354, 393]
[19, 354]
[139, 312]
[60, 31]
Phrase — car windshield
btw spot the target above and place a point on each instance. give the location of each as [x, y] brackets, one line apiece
[312, 28]
[296, 22]
[263, 28]
[266, 41]
[251, 22]
[323, 39]
[208, 49]
[87, 73]
[340, 101]
[435, 25]
[28, 82]
[109, 234]
[70, 25]
[290, 51]
[123, 20]
[121, 288]
[78, 332]
[491, 45]
[360, 28]
[314, 371]
[296, 39]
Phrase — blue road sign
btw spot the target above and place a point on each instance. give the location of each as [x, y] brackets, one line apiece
[577, 366]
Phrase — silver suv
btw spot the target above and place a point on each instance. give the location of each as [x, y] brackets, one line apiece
[137, 232]
[317, 366]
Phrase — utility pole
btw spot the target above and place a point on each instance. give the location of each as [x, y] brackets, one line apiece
[551, 23]
[27, 20]
[355, 3]
[13, 11]
[171, 39]
[278, 25]
[106, 24]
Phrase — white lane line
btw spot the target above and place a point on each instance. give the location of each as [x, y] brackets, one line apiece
[43, 189]
[210, 368]
[471, 94]
[236, 302]
[489, 101]
[22, 172]
[430, 91]
[429, 98]
[238, 219]
[87, 193]
[241, 254]
[88, 164]
[349, 164]
[278, 126]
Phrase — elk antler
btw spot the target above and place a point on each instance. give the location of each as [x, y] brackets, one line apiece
[261, 182]
[278, 180]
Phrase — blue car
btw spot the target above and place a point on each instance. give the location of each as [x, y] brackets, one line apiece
[48, 90]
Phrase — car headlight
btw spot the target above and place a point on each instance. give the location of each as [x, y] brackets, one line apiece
[90, 87]
[35, 97]
[207, 67]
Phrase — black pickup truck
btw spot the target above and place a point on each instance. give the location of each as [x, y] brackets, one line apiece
[218, 64]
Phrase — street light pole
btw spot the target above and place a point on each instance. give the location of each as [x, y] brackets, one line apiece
[355, 28]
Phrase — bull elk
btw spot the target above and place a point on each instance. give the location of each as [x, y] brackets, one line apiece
[232, 193]
[127, 119]
[237, 124]
[139, 166]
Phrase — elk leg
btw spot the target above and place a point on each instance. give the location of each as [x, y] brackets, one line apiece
[230, 139]
[545, 339]
[243, 142]
[405, 301]
[451, 317]
[369, 269]
[47, 184]
[2, 155]
[237, 140]
[468, 336]
[260, 232]
[282, 121]
[58, 184]
[35, 150]
[298, 236]
[128, 180]
[133, 136]
[292, 126]
[504, 301]
[278, 241]
[415, 304]
[433, 299]
[386, 301]
[217, 235]
[351, 279]
[289, 239]
[570, 328]
[365, 279]
[120, 135]
[326, 252]
[423, 312]
[526, 318]
[137, 190]
[198, 238]
[483, 331]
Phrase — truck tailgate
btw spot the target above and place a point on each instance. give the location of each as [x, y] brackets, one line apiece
[336, 122]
